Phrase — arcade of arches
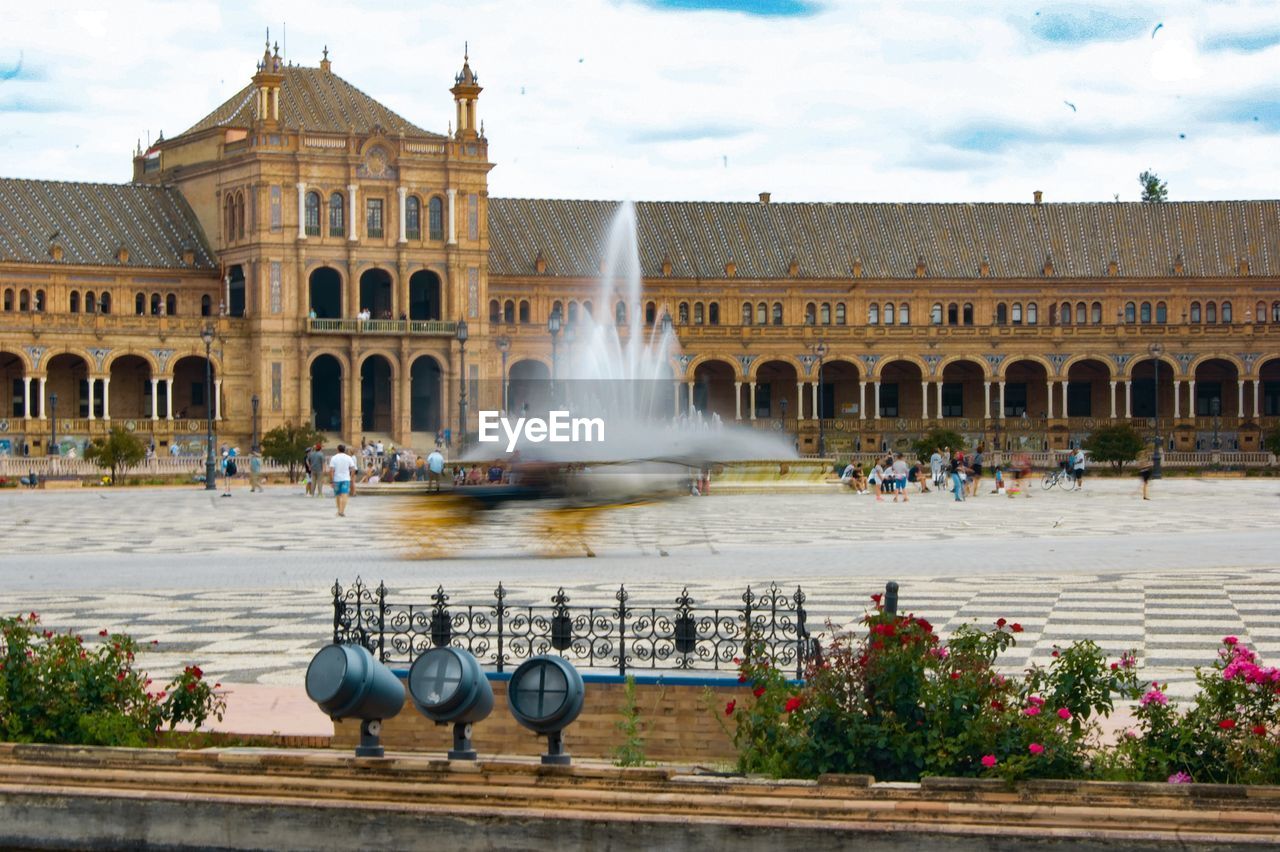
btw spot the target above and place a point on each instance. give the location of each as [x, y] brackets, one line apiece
[391, 401]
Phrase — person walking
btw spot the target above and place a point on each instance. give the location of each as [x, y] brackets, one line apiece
[900, 471]
[315, 465]
[956, 468]
[435, 468]
[1145, 473]
[255, 472]
[341, 466]
[975, 469]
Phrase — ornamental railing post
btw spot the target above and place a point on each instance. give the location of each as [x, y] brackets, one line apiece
[622, 630]
[501, 595]
[382, 620]
[337, 610]
[802, 633]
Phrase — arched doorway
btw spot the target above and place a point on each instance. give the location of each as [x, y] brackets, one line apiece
[1143, 396]
[325, 291]
[12, 388]
[1217, 405]
[901, 394]
[1088, 389]
[776, 390]
[68, 379]
[1269, 388]
[326, 394]
[131, 388]
[191, 397]
[236, 291]
[425, 395]
[375, 292]
[529, 388]
[839, 397]
[424, 295]
[713, 390]
[962, 392]
[375, 395]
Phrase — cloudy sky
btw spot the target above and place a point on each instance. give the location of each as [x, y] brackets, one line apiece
[829, 100]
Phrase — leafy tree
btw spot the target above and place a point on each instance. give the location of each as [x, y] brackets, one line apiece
[1153, 189]
[1115, 444]
[120, 450]
[1272, 441]
[936, 439]
[288, 445]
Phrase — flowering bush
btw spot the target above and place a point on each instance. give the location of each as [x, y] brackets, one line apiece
[1230, 733]
[898, 703]
[56, 689]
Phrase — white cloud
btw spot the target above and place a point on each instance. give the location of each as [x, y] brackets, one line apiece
[611, 98]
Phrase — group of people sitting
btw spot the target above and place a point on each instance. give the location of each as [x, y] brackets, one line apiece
[948, 470]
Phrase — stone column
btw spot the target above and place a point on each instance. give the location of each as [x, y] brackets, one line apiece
[737, 400]
[817, 414]
[877, 399]
[986, 400]
[26, 397]
[862, 400]
[106, 398]
[155, 403]
[1128, 399]
[924, 401]
[939, 386]
[690, 385]
[752, 397]
[1000, 410]
[217, 399]
[91, 383]
[401, 191]
[302, 213]
[1113, 400]
[1240, 398]
[453, 233]
[1049, 394]
[1191, 399]
[1177, 398]
[799, 401]
[1257, 403]
[352, 232]
[1064, 397]
[42, 395]
[168, 398]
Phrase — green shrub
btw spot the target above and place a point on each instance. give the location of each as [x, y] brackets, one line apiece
[631, 751]
[1117, 444]
[56, 689]
[937, 439]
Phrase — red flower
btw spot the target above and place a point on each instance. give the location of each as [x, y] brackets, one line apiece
[1000, 622]
[1016, 627]
[955, 675]
[102, 633]
[742, 678]
[758, 691]
[1260, 730]
[883, 630]
[1226, 640]
[1035, 748]
[1227, 724]
[793, 704]
[120, 676]
[728, 708]
[191, 687]
[876, 599]
[997, 705]
[925, 625]
[1055, 653]
[1115, 666]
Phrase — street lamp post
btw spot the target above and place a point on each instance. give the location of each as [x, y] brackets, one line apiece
[210, 477]
[1155, 350]
[53, 423]
[462, 382]
[820, 349]
[504, 346]
[553, 328]
[253, 445]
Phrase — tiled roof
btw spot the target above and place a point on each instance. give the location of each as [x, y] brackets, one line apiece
[700, 237]
[315, 100]
[92, 221]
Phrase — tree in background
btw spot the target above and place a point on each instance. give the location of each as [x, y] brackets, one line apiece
[288, 445]
[1153, 189]
[937, 439]
[1115, 444]
[1272, 442]
[119, 451]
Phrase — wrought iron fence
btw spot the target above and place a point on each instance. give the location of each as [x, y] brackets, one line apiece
[618, 636]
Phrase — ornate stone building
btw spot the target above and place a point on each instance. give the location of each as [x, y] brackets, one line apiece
[332, 247]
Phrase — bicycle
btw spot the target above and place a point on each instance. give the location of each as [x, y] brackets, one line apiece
[1061, 476]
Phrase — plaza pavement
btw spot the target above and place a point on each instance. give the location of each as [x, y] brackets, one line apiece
[240, 585]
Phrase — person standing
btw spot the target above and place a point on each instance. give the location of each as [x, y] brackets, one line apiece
[1077, 467]
[935, 467]
[255, 472]
[900, 471]
[315, 465]
[955, 469]
[435, 468]
[341, 466]
[1145, 473]
[975, 469]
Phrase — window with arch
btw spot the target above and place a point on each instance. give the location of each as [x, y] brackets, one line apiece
[1260, 312]
[104, 303]
[8, 299]
[762, 314]
[413, 218]
[1095, 313]
[935, 314]
[586, 309]
[873, 314]
[90, 303]
[240, 215]
[1144, 314]
[524, 311]
[206, 305]
[904, 314]
[229, 215]
[311, 214]
[435, 218]
[1275, 311]
[777, 313]
[509, 311]
[699, 313]
[39, 305]
[494, 311]
[1002, 314]
[953, 314]
[1195, 312]
[337, 215]
[841, 319]
[650, 313]
[24, 300]
[1226, 312]
[171, 304]
[1130, 312]
[1065, 313]
[1162, 313]
[75, 302]
[889, 314]
[683, 312]
[1082, 313]
[572, 318]
[825, 313]
[620, 313]
[747, 312]
[140, 304]
[557, 307]
[1211, 312]
[713, 313]
[810, 314]
[968, 313]
[1032, 313]
[1016, 313]
[155, 304]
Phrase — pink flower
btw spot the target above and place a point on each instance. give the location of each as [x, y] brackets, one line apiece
[1229, 640]
[988, 760]
[1036, 700]
[1153, 696]
[1031, 711]
[1035, 748]
[1064, 713]
[1179, 778]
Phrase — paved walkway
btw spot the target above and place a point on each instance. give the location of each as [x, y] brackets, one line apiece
[240, 585]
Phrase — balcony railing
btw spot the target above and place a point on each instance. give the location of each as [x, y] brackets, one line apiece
[419, 328]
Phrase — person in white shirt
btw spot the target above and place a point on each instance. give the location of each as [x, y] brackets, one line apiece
[341, 466]
[1077, 468]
